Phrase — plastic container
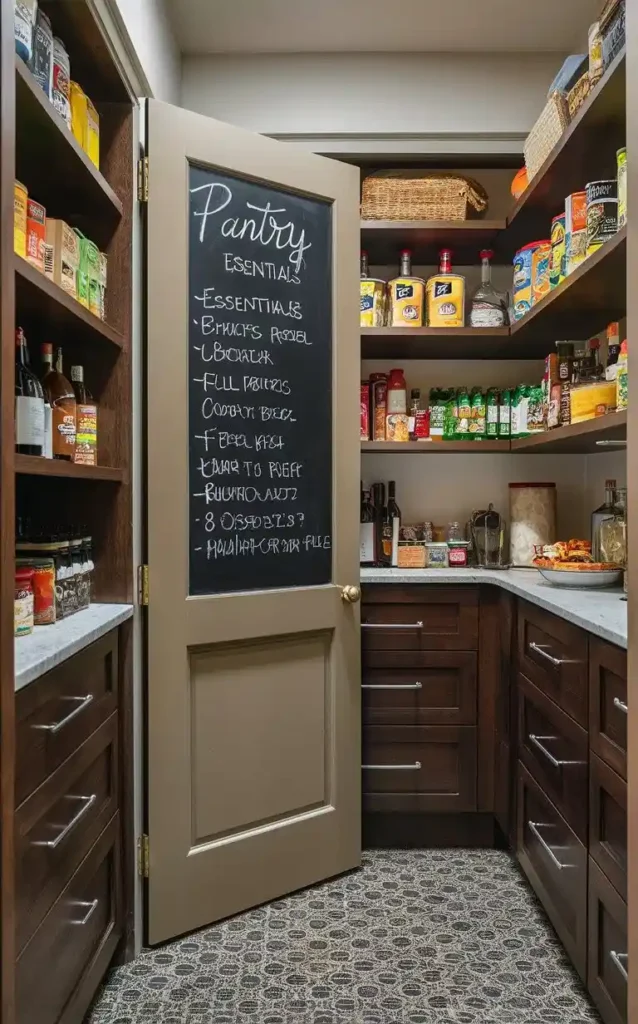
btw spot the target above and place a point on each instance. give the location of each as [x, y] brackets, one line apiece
[532, 519]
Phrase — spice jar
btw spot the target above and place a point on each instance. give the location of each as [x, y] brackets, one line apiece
[532, 520]
[23, 602]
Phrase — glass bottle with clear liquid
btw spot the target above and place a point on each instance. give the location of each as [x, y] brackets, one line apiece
[489, 307]
[613, 532]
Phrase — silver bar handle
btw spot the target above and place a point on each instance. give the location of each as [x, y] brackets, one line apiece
[392, 686]
[391, 625]
[392, 767]
[53, 727]
[536, 740]
[534, 827]
[540, 649]
[92, 905]
[620, 704]
[87, 803]
[617, 960]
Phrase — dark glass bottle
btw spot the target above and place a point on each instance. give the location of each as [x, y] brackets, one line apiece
[29, 403]
[367, 535]
[378, 500]
[392, 525]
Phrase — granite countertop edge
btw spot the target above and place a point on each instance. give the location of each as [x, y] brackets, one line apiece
[601, 612]
[49, 646]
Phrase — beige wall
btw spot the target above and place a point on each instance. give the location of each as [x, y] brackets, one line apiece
[147, 25]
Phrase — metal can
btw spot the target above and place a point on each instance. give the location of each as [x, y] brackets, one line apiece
[621, 157]
[364, 430]
[61, 81]
[558, 260]
[602, 213]
[20, 200]
[36, 233]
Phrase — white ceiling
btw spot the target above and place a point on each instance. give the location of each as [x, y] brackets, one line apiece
[323, 26]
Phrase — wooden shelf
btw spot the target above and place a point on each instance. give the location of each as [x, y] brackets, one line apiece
[77, 192]
[40, 301]
[578, 439]
[453, 343]
[591, 297]
[587, 148]
[383, 240]
[31, 465]
[435, 447]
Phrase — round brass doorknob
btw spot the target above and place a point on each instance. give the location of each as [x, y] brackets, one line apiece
[351, 594]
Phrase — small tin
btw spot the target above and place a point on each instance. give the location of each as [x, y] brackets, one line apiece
[36, 234]
[20, 200]
[60, 81]
[602, 213]
[621, 158]
[558, 260]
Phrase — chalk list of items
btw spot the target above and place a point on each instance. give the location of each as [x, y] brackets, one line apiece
[260, 386]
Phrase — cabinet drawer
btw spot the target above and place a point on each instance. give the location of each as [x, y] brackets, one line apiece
[56, 827]
[419, 619]
[420, 768]
[55, 714]
[608, 822]
[555, 862]
[553, 654]
[554, 749]
[608, 704]
[60, 968]
[607, 967]
[442, 691]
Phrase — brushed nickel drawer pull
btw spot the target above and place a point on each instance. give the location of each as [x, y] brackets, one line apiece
[392, 767]
[620, 704]
[536, 740]
[540, 649]
[93, 905]
[82, 703]
[391, 625]
[534, 826]
[392, 686]
[617, 960]
[87, 803]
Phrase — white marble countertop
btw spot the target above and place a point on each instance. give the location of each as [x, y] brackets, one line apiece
[47, 646]
[602, 612]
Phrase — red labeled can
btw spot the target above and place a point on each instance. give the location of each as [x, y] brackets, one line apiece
[365, 411]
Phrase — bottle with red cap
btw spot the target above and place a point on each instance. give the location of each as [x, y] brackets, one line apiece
[407, 295]
[489, 307]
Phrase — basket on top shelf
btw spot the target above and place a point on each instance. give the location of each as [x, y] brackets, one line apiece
[546, 133]
[421, 195]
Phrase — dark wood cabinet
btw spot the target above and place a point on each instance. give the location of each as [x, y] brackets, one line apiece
[439, 691]
[417, 618]
[608, 704]
[608, 822]
[607, 960]
[553, 655]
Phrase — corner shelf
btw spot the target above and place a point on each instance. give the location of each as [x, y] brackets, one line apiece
[383, 240]
[435, 447]
[577, 439]
[33, 465]
[453, 343]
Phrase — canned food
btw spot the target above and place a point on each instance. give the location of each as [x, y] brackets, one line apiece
[602, 213]
[373, 302]
[523, 279]
[575, 230]
[60, 81]
[20, 199]
[540, 271]
[36, 233]
[558, 260]
[621, 157]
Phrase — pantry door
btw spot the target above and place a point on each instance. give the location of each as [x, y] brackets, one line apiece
[253, 517]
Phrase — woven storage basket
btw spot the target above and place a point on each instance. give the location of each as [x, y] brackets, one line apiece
[421, 195]
[577, 96]
[546, 133]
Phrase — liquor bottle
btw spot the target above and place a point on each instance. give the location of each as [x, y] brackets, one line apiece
[378, 500]
[86, 420]
[604, 511]
[367, 534]
[489, 307]
[393, 521]
[613, 531]
[445, 295]
[29, 403]
[407, 295]
[63, 404]
[364, 264]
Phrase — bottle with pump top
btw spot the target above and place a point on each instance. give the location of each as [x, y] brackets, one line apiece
[29, 403]
[63, 404]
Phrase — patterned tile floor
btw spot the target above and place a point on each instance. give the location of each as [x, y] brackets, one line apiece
[416, 937]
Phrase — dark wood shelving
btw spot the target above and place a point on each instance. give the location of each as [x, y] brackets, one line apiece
[584, 303]
[588, 146]
[39, 301]
[383, 240]
[435, 447]
[79, 193]
[577, 439]
[30, 465]
[453, 343]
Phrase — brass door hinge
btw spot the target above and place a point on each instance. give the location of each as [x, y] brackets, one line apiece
[142, 584]
[142, 856]
[142, 180]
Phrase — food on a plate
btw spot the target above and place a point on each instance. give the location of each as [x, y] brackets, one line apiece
[571, 556]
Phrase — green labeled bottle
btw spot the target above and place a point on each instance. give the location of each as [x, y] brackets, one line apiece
[491, 413]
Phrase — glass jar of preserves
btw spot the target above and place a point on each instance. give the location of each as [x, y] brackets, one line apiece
[23, 602]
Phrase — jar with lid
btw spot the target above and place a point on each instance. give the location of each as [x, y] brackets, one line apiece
[454, 531]
[23, 601]
[532, 520]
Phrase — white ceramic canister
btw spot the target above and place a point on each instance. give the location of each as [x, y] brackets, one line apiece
[532, 520]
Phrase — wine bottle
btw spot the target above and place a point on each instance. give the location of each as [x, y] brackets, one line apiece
[393, 520]
[29, 403]
[63, 404]
[367, 533]
[86, 420]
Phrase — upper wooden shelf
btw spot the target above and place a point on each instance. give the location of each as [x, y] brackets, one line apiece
[42, 303]
[591, 297]
[586, 152]
[577, 439]
[32, 465]
[77, 191]
[453, 343]
[383, 240]
[435, 447]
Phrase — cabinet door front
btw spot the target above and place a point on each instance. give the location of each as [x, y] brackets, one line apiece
[553, 654]
[440, 692]
[608, 704]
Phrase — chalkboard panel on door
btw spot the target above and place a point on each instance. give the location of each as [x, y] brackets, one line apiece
[260, 396]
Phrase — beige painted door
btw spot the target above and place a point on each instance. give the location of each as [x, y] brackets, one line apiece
[253, 648]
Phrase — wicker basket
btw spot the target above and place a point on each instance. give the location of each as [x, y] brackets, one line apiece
[577, 96]
[546, 133]
[421, 195]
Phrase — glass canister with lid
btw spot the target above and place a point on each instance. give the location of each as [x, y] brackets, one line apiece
[532, 520]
